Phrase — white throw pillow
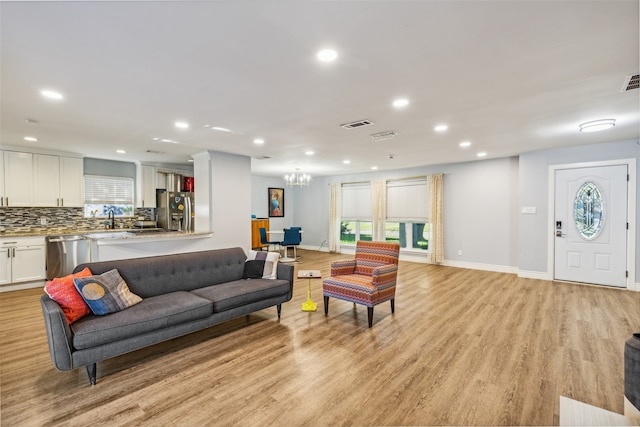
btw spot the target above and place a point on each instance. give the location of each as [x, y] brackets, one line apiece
[270, 262]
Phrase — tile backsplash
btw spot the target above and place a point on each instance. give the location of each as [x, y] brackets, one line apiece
[61, 219]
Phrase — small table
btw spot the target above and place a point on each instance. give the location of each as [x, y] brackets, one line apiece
[309, 305]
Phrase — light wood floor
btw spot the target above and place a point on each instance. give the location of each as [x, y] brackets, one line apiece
[464, 347]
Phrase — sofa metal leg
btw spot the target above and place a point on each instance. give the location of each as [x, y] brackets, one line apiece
[393, 305]
[370, 315]
[279, 307]
[91, 371]
[326, 305]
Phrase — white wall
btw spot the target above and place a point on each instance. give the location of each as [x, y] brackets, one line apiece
[223, 201]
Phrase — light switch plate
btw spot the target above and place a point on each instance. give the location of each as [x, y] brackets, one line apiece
[528, 209]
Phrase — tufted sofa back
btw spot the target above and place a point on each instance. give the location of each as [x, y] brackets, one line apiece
[158, 275]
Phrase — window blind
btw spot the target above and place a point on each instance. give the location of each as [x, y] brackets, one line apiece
[356, 202]
[408, 201]
[108, 190]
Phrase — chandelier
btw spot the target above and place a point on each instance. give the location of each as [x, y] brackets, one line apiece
[297, 180]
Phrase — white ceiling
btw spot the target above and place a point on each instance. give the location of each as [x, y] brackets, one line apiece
[510, 77]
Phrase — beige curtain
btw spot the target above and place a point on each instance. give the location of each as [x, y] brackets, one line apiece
[379, 208]
[335, 209]
[435, 216]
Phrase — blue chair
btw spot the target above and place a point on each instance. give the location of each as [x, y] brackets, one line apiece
[291, 239]
[264, 241]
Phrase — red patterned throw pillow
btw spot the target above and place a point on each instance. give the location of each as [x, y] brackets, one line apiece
[63, 291]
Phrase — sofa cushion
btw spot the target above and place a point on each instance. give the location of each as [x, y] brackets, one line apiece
[63, 291]
[270, 262]
[226, 296]
[106, 293]
[149, 315]
[253, 269]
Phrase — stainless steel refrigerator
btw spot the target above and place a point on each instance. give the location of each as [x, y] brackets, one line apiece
[175, 210]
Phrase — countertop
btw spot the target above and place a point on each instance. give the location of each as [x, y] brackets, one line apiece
[102, 234]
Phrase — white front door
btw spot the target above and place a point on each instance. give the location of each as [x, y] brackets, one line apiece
[591, 225]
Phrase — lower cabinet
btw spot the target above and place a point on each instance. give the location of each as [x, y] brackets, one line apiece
[22, 260]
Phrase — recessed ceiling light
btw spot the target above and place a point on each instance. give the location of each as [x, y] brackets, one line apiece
[374, 168]
[465, 144]
[31, 138]
[120, 151]
[482, 154]
[309, 153]
[258, 141]
[441, 127]
[346, 162]
[597, 125]
[181, 125]
[51, 94]
[399, 103]
[327, 55]
[220, 129]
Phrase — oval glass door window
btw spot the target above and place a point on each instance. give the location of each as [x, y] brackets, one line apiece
[588, 211]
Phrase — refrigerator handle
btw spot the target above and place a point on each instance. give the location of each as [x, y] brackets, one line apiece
[187, 214]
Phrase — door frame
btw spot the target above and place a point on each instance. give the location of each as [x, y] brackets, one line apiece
[631, 215]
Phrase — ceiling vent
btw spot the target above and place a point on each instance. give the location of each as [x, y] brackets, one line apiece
[381, 136]
[631, 82]
[261, 157]
[357, 124]
[155, 152]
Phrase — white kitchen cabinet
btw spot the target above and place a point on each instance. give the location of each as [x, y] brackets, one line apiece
[46, 180]
[42, 180]
[22, 259]
[149, 176]
[71, 182]
[18, 178]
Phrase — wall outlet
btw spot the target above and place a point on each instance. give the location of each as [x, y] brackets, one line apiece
[43, 220]
[459, 252]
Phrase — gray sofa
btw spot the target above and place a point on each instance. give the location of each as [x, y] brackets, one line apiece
[181, 293]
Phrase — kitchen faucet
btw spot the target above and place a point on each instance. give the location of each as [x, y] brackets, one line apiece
[112, 219]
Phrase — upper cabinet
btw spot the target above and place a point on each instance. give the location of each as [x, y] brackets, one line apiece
[42, 180]
[18, 178]
[149, 180]
[71, 182]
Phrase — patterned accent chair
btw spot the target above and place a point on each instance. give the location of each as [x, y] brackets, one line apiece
[369, 279]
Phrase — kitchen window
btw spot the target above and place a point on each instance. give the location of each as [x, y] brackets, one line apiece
[105, 193]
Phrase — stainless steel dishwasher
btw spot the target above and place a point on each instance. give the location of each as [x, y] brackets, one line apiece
[64, 253]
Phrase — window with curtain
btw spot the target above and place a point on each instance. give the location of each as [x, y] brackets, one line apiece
[408, 207]
[105, 193]
[356, 217]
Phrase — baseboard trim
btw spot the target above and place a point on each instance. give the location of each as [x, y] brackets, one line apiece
[480, 266]
[21, 286]
[538, 275]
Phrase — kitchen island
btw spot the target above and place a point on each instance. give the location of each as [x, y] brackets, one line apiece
[108, 246]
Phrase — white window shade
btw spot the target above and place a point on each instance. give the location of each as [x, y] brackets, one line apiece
[108, 190]
[408, 201]
[356, 202]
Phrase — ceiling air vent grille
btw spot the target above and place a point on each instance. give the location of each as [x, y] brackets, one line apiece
[381, 136]
[155, 152]
[261, 157]
[357, 124]
[631, 82]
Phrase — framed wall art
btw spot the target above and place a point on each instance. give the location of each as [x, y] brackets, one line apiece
[276, 202]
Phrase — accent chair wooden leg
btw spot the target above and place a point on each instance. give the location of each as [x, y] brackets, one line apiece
[279, 307]
[91, 371]
[393, 305]
[370, 315]
[326, 305]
